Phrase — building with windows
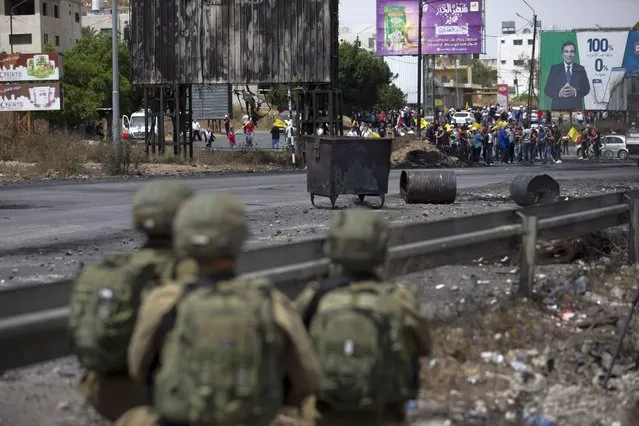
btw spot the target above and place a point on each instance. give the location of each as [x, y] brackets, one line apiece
[515, 50]
[28, 25]
[98, 17]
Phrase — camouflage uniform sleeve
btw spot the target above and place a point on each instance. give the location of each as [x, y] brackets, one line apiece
[301, 365]
[155, 305]
[301, 302]
[414, 321]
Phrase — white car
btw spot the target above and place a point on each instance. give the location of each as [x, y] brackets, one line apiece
[464, 119]
[612, 146]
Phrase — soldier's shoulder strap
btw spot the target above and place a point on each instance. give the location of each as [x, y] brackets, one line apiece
[324, 287]
[168, 322]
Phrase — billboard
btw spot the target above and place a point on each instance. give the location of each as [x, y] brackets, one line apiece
[585, 70]
[30, 97]
[448, 27]
[502, 95]
[30, 67]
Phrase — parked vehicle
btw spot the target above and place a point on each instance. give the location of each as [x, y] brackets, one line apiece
[612, 146]
[134, 125]
[464, 119]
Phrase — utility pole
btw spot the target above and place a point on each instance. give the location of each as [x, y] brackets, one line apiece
[419, 69]
[115, 102]
[531, 81]
[458, 106]
[11, 23]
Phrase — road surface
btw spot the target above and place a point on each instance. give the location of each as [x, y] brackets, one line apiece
[38, 215]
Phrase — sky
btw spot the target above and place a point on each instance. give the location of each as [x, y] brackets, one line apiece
[553, 14]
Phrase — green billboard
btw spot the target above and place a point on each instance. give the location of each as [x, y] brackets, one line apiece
[584, 70]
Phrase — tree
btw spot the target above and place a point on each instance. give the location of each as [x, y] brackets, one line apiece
[390, 97]
[483, 75]
[636, 27]
[363, 77]
[87, 80]
[522, 70]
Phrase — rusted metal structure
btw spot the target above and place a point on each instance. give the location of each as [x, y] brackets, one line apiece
[347, 165]
[176, 44]
[428, 186]
[530, 189]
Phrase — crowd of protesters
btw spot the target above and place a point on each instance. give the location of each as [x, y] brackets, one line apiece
[496, 135]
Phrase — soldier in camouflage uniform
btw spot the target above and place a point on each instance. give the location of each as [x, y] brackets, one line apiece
[368, 333]
[109, 388]
[218, 349]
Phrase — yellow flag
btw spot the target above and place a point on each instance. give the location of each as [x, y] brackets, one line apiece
[574, 134]
[466, 106]
[476, 125]
[374, 135]
[279, 123]
[423, 121]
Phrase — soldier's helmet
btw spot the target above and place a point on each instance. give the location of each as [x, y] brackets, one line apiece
[357, 240]
[210, 226]
[155, 205]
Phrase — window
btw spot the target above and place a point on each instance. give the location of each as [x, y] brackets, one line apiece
[503, 62]
[19, 7]
[57, 40]
[56, 11]
[45, 9]
[77, 17]
[45, 38]
[19, 38]
[518, 62]
[106, 31]
[518, 42]
[530, 42]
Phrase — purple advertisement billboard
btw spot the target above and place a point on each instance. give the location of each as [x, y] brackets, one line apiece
[448, 27]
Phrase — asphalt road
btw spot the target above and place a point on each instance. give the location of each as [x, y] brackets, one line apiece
[33, 216]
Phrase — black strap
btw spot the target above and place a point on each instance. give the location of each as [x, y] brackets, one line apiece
[325, 287]
[168, 322]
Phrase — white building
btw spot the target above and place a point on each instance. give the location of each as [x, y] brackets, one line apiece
[365, 33]
[38, 22]
[515, 50]
[99, 18]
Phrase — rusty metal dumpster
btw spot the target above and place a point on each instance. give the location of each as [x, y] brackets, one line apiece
[338, 165]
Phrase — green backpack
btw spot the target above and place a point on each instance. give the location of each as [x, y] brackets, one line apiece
[357, 331]
[104, 304]
[224, 367]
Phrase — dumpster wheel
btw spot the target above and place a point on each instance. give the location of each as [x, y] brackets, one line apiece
[382, 197]
[333, 200]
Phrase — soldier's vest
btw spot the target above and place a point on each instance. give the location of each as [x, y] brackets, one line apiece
[105, 301]
[224, 368]
[357, 330]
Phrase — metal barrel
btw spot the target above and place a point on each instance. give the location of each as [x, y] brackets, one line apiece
[428, 187]
[531, 189]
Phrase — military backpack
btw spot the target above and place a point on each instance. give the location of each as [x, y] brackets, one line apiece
[224, 366]
[104, 305]
[357, 330]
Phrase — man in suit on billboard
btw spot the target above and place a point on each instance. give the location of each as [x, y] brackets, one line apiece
[567, 83]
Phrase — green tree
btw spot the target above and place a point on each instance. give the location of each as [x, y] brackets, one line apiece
[636, 27]
[482, 74]
[390, 97]
[87, 80]
[362, 76]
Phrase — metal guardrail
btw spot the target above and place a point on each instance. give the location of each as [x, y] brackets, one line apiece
[33, 317]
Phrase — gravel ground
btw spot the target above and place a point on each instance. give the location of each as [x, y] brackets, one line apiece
[462, 389]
